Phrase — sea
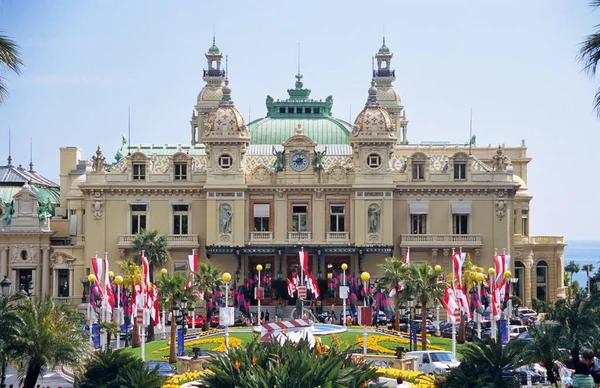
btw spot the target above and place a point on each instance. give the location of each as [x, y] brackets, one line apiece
[583, 252]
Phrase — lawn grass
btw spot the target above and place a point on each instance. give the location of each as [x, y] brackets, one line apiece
[153, 352]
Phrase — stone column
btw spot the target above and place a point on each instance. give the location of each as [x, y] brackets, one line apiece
[71, 282]
[34, 282]
[45, 269]
[3, 261]
[529, 280]
[54, 282]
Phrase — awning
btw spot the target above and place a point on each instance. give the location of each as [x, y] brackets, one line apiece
[461, 207]
[419, 208]
[261, 210]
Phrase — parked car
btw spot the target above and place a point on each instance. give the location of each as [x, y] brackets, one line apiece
[126, 331]
[199, 320]
[516, 331]
[434, 361]
[164, 368]
[524, 312]
[214, 320]
[522, 373]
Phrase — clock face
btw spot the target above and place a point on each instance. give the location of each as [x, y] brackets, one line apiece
[299, 161]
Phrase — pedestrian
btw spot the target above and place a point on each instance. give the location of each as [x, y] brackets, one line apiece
[333, 311]
[400, 382]
[588, 359]
[267, 317]
[582, 377]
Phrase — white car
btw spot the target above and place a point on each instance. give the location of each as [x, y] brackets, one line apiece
[515, 331]
[434, 361]
[527, 312]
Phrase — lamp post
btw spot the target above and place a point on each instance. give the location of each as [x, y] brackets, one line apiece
[479, 277]
[5, 284]
[91, 314]
[438, 268]
[258, 268]
[410, 300]
[344, 268]
[164, 273]
[118, 282]
[492, 281]
[175, 320]
[84, 294]
[226, 279]
[365, 276]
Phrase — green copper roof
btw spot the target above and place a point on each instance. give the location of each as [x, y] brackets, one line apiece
[323, 130]
[384, 48]
[213, 48]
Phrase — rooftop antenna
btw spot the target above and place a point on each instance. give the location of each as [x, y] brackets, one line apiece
[30, 154]
[226, 66]
[129, 130]
[298, 57]
[373, 65]
[9, 153]
[471, 132]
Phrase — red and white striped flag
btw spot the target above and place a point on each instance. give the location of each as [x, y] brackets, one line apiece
[193, 260]
[449, 302]
[407, 257]
[109, 301]
[304, 261]
[145, 274]
[291, 288]
[98, 268]
[313, 286]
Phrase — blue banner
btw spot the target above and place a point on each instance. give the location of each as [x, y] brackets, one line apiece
[179, 342]
[503, 331]
[96, 335]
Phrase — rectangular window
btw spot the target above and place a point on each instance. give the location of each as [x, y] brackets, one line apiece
[180, 219]
[307, 110]
[418, 171]
[418, 223]
[524, 224]
[299, 110]
[299, 218]
[139, 171]
[138, 218]
[317, 111]
[262, 213]
[290, 110]
[181, 268]
[460, 223]
[180, 171]
[460, 170]
[63, 283]
[281, 110]
[337, 215]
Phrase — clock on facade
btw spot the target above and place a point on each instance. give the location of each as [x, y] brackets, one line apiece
[299, 161]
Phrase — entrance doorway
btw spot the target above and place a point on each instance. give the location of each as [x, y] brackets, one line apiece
[25, 280]
[294, 271]
[334, 274]
[268, 264]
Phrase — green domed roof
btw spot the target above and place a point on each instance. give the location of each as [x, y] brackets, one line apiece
[283, 117]
[276, 130]
[384, 48]
[213, 48]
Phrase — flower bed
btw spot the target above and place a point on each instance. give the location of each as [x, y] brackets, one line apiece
[177, 380]
[374, 340]
[418, 379]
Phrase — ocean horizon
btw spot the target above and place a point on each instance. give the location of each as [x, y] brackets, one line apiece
[583, 252]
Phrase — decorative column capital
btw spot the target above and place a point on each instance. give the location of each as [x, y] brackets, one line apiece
[45, 248]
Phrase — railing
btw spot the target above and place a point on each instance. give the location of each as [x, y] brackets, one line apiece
[441, 240]
[261, 237]
[337, 236]
[299, 236]
[61, 300]
[214, 73]
[548, 239]
[384, 73]
[173, 240]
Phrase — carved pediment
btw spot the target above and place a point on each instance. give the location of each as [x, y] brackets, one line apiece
[299, 141]
[62, 260]
[24, 255]
[26, 203]
[336, 174]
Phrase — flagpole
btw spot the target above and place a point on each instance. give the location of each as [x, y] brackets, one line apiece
[141, 327]
[493, 295]
[454, 317]
[192, 284]
[344, 266]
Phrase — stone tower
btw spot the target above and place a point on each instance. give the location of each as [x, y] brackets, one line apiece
[388, 96]
[210, 95]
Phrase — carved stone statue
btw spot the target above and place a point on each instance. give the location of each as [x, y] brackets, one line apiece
[373, 216]
[98, 161]
[225, 219]
[500, 161]
[269, 101]
[280, 160]
[9, 210]
[318, 164]
[44, 210]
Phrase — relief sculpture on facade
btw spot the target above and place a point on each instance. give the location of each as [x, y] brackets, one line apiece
[226, 215]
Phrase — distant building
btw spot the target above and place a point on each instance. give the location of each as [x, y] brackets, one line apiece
[243, 194]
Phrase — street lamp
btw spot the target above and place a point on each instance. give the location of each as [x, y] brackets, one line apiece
[5, 284]
[365, 276]
[164, 273]
[492, 282]
[226, 278]
[258, 268]
[118, 281]
[345, 293]
[176, 320]
[84, 294]
[92, 280]
[479, 277]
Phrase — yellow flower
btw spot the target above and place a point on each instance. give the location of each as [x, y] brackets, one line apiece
[254, 360]
[237, 364]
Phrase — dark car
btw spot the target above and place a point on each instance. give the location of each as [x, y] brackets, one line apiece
[126, 331]
[521, 374]
[164, 368]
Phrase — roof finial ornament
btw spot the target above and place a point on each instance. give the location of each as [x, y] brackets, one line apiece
[226, 100]
[372, 99]
[30, 154]
[9, 153]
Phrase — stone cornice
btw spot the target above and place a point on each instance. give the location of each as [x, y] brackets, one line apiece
[144, 191]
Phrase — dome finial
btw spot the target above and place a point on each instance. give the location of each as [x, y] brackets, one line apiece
[372, 99]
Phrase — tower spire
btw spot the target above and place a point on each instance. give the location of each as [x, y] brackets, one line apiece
[9, 153]
[298, 58]
[30, 154]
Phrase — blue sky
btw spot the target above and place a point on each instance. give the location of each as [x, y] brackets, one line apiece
[513, 62]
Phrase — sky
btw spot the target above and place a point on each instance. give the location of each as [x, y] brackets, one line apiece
[513, 62]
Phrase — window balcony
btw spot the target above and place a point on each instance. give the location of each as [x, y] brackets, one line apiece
[173, 240]
[299, 236]
[337, 237]
[539, 240]
[441, 240]
[261, 237]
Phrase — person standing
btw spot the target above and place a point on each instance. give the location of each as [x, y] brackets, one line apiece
[333, 316]
[582, 377]
[267, 317]
[400, 382]
[589, 360]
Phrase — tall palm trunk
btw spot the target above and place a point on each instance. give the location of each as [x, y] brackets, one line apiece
[151, 326]
[397, 316]
[136, 341]
[423, 324]
[173, 346]
[461, 337]
[33, 372]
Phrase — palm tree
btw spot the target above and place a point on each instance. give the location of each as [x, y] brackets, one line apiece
[469, 280]
[394, 273]
[577, 320]
[483, 362]
[10, 58]
[572, 268]
[207, 276]
[588, 268]
[171, 292]
[10, 324]
[137, 375]
[103, 367]
[156, 248]
[49, 336]
[133, 275]
[589, 55]
[423, 283]
[546, 345]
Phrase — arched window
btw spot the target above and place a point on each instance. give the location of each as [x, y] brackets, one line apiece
[541, 280]
[520, 275]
